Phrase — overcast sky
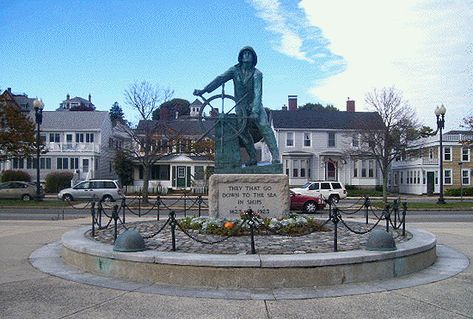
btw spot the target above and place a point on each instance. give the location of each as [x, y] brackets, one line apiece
[322, 51]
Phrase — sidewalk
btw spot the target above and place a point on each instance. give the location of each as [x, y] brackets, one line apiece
[28, 293]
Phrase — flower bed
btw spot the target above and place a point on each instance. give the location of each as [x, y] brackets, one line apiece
[292, 225]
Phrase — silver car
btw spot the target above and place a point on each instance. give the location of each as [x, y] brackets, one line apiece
[19, 190]
[105, 189]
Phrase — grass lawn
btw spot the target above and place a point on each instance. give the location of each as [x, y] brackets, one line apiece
[429, 205]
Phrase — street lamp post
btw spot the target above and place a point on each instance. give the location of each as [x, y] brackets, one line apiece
[440, 114]
[38, 112]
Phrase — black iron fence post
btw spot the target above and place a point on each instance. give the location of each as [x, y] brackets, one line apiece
[123, 207]
[200, 203]
[172, 216]
[404, 209]
[139, 206]
[115, 222]
[387, 216]
[158, 205]
[99, 211]
[335, 218]
[251, 222]
[92, 213]
[367, 205]
[185, 204]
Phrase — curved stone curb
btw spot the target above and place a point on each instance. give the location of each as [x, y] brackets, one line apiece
[449, 263]
[422, 241]
[215, 271]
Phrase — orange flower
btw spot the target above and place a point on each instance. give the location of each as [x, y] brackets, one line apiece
[228, 225]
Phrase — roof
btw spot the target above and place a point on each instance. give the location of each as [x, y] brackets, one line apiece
[179, 127]
[310, 119]
[73, 121]
[196, 102]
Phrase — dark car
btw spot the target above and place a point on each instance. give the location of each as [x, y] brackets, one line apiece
[19, 190]
[306, 203]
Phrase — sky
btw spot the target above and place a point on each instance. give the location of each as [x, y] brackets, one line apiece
[322, 51]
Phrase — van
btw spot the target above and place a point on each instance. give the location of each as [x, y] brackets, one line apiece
[105, 189]
[333, 191]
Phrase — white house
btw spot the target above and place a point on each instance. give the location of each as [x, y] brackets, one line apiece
[74, 141]
[313, 145]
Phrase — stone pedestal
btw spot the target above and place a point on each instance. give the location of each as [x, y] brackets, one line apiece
[266, 194]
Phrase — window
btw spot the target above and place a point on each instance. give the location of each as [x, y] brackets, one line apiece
[199, 173]
[307, 140]
[465, 177]
[331, 139]
[431, 153]
[447, 153]
[363, 168]
[402, 177]
[79, 138]
[289, 139]
[325, 186]
[18, 163]
[286, 163]
[314, 186]
[161, 172]
[74, 162]
[355, 169]
[89, 137]
[355, 141]
[54, 137]
[337, 186]
[304, 164]
[62, 163]
[447, 177]
[371, 168]
[295, 168]
[465, 154]
[44, 163]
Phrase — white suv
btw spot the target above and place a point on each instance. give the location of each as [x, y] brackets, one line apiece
[105, 189]
[333, 191]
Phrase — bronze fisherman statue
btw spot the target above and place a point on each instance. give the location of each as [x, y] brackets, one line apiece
[248, 82]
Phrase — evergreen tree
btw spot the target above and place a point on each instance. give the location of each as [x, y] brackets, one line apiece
[116, 115]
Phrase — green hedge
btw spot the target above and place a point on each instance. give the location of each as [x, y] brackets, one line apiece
[11, 175]
[467, 191]
[56, 181]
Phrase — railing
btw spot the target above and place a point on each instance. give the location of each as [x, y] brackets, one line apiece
[250, 222]
[72, 147]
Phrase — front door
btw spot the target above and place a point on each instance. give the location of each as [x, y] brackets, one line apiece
[181, 176]
[331, 171]
[430, 183]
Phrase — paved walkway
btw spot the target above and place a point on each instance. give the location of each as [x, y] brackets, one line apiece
[28, 293]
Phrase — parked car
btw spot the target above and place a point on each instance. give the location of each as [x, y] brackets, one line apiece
[333, 191]
[19, 190]
[105, 189]
[307, 203]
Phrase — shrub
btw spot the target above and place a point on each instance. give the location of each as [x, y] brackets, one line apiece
[467, 191]
[11, 175]
[56, 181]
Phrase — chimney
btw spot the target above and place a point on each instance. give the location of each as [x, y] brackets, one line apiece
[284, 108]
[90, 98]
[292, 102]
[9, 90]
[68, 97]
[350, 105]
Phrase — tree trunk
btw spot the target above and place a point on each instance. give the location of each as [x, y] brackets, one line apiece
[146, 169]
[385, 189]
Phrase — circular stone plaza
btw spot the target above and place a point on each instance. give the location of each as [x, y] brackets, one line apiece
[283, 267]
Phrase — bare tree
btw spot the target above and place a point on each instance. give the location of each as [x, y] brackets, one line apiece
[145, 98]
[400, 127]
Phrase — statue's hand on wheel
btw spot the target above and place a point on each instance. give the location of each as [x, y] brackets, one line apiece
[198, 92]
